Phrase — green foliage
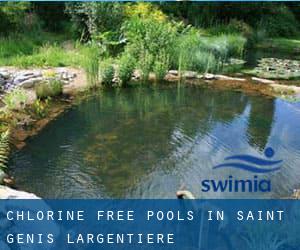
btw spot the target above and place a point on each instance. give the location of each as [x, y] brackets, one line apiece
[280, 23]
[90, 18]
[281, 44]
[234, 26]
[183, 47]
[52, 16]
[150, 35]
[14, 16]
[4, 148]
[161, 65]
[35, 49]
[107, 72]
[41, 107]
[16, 99]
[47, 56]
[49, 88]
[90, 63]
[145, 64]
[126, 68]
[109, 43]
[205, 54]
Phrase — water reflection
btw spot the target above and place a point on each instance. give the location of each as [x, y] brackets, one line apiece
[260, 121]
[147, 142]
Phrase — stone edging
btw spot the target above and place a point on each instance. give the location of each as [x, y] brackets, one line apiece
[11, 78]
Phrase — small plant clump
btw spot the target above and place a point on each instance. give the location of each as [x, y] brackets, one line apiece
[51, 88]
[126, 68]
[107, 73]
[41, 107]
[16, 99]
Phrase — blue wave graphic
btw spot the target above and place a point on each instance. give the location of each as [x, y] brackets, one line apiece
[247, 162]
[253, 159]
[246, 167]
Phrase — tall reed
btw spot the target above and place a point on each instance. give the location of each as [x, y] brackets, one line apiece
[90, 64]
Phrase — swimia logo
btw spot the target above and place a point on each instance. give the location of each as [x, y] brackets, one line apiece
[246, 163]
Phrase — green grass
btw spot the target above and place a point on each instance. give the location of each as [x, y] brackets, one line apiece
[52, 88]
[35, 49]
[191, 51]
[282, 44]
[52, 56]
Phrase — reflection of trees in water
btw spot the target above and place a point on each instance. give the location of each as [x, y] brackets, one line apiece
[132, 131]
[111, 143]
[260, 121]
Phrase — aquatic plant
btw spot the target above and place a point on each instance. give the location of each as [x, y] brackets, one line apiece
[147, 37]
[145, 64]
[4, 148]
[16, 99]
[107, 72]
[41, 107]
[161, 65]
[90, 63]
[126, 68]
[49, 88]
[209, 53]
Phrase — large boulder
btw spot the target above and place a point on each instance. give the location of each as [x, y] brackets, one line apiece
[208, 76]
[22, 76]
[189, 74]
[30, 83]
[173, 72]
[5, 74]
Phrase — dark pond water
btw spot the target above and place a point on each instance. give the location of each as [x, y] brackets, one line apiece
[148, 142]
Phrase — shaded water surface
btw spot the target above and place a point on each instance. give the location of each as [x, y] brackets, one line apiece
[148, 142]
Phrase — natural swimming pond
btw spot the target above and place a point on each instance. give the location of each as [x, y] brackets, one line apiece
[147, 142]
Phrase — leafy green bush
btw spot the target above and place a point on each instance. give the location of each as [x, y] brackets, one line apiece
[107, 72]
[150, 35]
[90, 18]
[49, 88]
[16, 99]
[56, 86]
[126, 68]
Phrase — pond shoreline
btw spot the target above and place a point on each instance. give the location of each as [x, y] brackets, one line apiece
[77, 89]
[74, 90]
